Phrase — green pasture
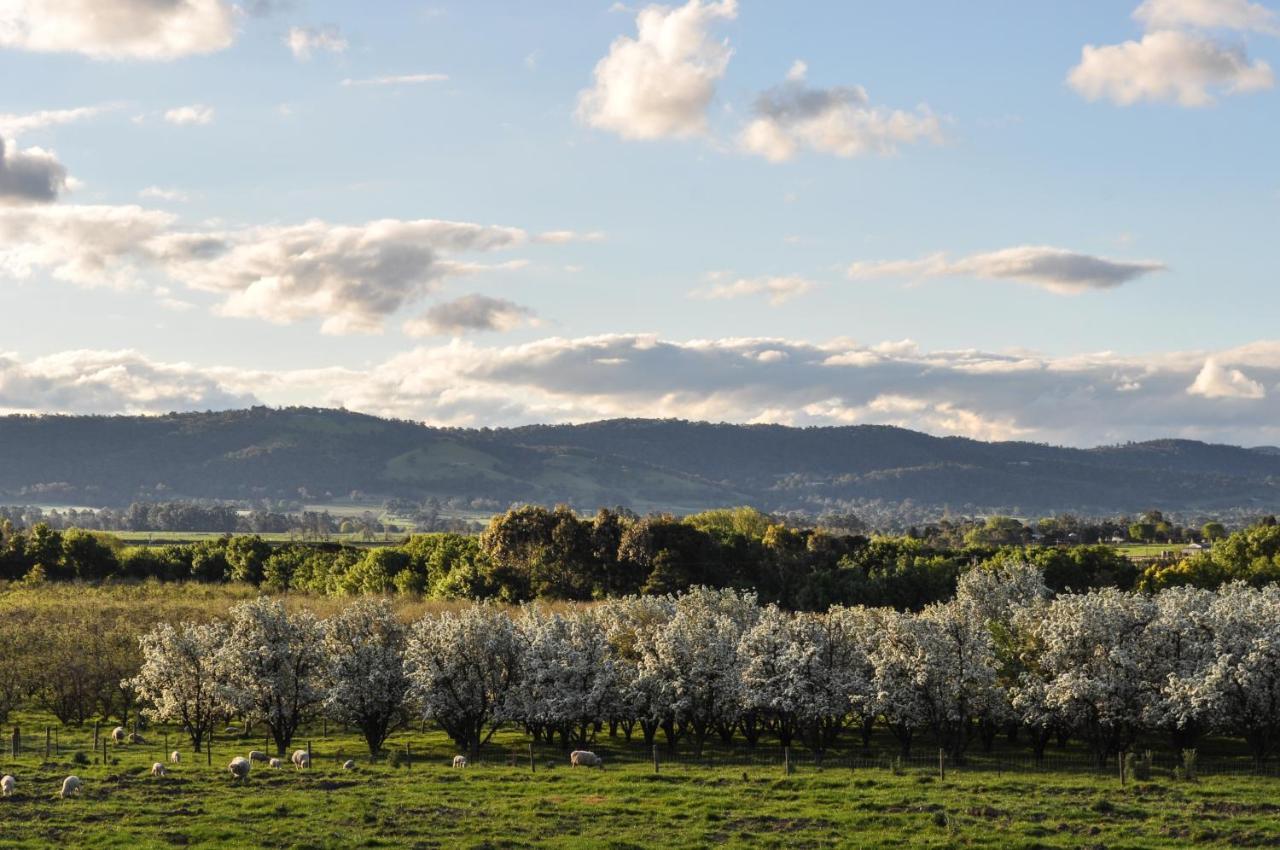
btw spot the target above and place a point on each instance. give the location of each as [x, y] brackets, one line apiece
[500, 802]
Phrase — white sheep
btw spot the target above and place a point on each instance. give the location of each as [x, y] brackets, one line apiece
[6, 785]
[257, 755]
[118, 734]
[301, 759]
[175, 757]
[158, 770]
[239, 768]
[349, 764]
[135, 738]
[585, 758]
[274, 764]
[70, 785]
[459, 761]
[231, 730]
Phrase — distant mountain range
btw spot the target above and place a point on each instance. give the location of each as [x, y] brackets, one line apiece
[318, 454]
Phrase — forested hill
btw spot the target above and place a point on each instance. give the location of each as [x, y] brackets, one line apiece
[316, 454]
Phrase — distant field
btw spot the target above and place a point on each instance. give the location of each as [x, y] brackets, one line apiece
[140, 537]
[1149, 550]
[428, 804]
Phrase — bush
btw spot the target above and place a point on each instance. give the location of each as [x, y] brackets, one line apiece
[80, 758]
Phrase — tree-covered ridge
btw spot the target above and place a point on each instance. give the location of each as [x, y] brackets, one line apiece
[312, 454]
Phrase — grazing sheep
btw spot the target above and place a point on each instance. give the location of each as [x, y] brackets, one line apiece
[158, 770]
[257, 755]
[585, 758]
[135, 738]
[349, 764]
[70, 785]
[274, 764]
[6, 785]
[459, 761]
[231, 730]
[175, 757]
[300, 759]
[118, 734]
[239, 768]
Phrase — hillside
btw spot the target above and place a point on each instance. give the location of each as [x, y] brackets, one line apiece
[318, 454]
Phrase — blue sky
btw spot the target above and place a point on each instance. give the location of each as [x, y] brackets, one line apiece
[1049, 221]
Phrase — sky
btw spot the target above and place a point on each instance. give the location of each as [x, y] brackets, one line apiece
[1050, 221]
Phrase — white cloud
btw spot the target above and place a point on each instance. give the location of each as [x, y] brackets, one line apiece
[1054, 269]
[1167, 65]
[87, 245]
[160, 193]
[560, 237]
[1083, 399]
[12, 124]
[1208, 14]
[193, 114]
[661, 82]
[397, 80]
[304, 41]
[469, 314]
[839, 121]
[28, 176]
[1218, 381]
[118, 29]
[779, 289]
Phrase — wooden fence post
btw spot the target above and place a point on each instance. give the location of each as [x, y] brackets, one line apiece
[533, 768]
[408, 755]
[786, 760]
[308, 754]
[1120, 761]
[655, 758]
[208, 752]
[48, 736]
[942, 763]
[95, 737]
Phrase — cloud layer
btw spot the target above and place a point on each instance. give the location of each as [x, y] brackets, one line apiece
[661, 82]
[1086, 399]
[304, 41]
[1054, 269]
[779, 290]
[838, 121]
[118, 29]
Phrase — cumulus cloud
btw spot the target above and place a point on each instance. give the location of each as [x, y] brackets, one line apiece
[32, 175]
[119, 29]
[396, 80]
[661, 82]
[350, 276]
[14, 124]
[469, 314]
[110, 382]
[304, 41]
[1218, 381]
[1054, 269]
[779, 289]
[194, 114]
[839, 121]
[161, 193]
[1208, 14]
[560, 237]
[1167, 66]
[1081, 399]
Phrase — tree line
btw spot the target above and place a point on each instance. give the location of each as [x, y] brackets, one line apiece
[1108, 668]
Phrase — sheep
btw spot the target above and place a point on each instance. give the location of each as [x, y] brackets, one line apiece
[118, 734]
[175, 757]
[301, 759]
[231, 730]
[274, 764]
[158, 770]
[585, 758]
[70, 785]
[135, 738]
[6, 785]
[239, 768]
[349, 764]
[257, 755]
[459, 761]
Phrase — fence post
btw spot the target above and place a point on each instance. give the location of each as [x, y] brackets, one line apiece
[655, 758]
[532, 767]
[47, 738]
[1120, 761]
[308, 754]
[208, 752]
[16, 742]
[942, 763]
[95, 737]
[57, 743]
[408, 756]
[786, 760]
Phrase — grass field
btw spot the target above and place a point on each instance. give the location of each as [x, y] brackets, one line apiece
[428, 804]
